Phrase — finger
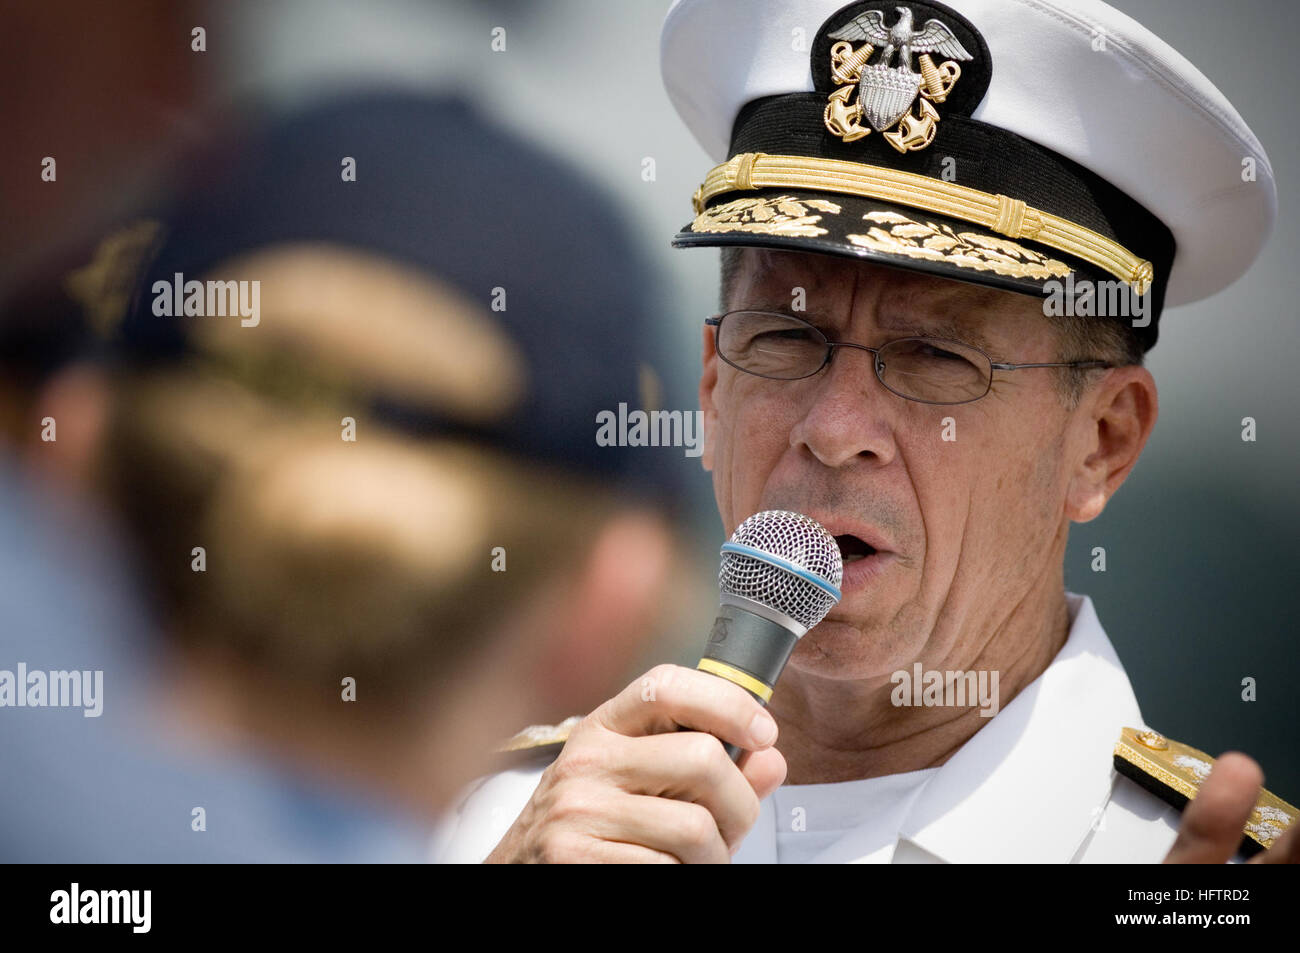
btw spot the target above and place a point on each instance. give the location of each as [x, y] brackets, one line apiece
[1214, 820]
[1285, 850]
[614, 852]
[689, 766]
[671, 696]
[764, 770]
[684, 830]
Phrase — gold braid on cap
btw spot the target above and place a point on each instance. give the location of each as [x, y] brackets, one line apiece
[1001, 213]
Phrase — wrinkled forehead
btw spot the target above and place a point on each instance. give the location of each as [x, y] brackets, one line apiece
[773, 272]
[842, 289]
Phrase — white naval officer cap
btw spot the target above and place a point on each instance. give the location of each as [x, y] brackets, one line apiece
[1010, 143]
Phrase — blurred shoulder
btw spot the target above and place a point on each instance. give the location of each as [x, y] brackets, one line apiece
[486, 808]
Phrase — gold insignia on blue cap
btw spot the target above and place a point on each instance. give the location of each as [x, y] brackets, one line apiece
[103, 287]
[885, 92]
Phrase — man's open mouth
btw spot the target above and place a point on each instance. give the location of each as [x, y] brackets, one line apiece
[852, 548]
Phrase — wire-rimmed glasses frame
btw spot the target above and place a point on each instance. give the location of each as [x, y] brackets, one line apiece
[940, 355]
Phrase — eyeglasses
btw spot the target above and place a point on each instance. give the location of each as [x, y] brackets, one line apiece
[929, 370]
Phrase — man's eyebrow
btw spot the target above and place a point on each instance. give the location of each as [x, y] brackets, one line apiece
[821, 319]
[941, 329]
[926, 328]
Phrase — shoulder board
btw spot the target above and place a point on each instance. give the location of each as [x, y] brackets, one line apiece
[538, 741]
[1173, 772]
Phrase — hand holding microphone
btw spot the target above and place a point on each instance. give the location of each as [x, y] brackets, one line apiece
[639, 779]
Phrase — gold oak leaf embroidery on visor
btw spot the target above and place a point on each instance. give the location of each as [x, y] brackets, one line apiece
[777, 215]
[901, 235]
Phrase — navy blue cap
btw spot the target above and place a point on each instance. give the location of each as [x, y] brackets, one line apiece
[440, 189]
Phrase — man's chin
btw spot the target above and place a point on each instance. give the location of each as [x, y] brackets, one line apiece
[836, 649]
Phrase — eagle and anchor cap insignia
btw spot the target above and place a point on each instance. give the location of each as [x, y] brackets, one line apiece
[876, 81]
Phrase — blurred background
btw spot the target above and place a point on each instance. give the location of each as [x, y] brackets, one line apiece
[1200, 552]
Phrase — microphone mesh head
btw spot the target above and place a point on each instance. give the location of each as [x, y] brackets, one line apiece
[796, 539]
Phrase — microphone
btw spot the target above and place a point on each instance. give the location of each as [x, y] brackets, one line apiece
[780, 575]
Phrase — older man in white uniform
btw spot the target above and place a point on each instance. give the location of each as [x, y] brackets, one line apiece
[949, 232]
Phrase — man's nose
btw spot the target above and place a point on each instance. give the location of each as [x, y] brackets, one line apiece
[848, 414]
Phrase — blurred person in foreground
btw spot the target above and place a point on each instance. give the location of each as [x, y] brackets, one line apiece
[349, 435]
[87, 778]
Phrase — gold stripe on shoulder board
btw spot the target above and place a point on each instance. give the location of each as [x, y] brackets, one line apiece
[1181, 769]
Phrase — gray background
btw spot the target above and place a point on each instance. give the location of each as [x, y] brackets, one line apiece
[1200, 542]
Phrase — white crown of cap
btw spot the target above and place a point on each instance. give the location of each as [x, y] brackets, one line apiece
[1138, 114]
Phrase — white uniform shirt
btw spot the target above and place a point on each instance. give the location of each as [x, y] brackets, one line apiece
[1034, 785]
[810, 821]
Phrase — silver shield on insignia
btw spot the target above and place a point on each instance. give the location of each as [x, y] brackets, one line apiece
[885, 94]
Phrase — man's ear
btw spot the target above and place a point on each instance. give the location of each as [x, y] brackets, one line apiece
[1116, 419]
[708, 381]
[607, 616]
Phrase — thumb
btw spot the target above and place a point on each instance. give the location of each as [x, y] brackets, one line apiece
[1213, 822]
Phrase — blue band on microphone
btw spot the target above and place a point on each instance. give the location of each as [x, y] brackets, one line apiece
[785, 564]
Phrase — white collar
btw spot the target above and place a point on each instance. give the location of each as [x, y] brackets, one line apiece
[1026, 788]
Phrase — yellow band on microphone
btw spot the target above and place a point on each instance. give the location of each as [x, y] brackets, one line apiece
[743, 679]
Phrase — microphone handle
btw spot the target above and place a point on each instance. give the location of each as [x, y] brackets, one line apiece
[749, 650]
